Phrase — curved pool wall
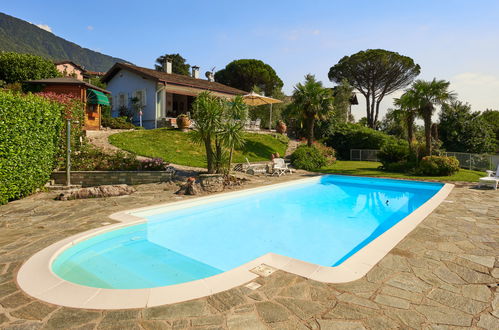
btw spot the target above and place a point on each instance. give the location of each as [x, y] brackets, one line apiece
[199, 243]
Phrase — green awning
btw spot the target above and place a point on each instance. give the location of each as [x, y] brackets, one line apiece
[96, 97]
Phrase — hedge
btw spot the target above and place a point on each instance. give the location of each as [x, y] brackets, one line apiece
[29, 132]
[352, 136]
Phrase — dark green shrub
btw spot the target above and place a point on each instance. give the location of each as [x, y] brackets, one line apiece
[29, 136]
[352, 136]
[393, 152]
[308, 158]
[17, 68]
[327, 152]
[117, 123]
[438, 165]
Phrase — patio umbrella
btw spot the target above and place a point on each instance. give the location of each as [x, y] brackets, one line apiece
[255, 99]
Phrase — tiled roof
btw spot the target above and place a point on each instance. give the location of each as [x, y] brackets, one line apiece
[66, 81]
[173, 78]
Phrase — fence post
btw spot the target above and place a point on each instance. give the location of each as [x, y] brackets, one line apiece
[470, 162]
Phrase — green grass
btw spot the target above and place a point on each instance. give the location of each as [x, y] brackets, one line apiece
[371, 169]
[176, 147]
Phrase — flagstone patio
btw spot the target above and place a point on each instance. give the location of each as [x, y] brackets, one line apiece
[443, 274]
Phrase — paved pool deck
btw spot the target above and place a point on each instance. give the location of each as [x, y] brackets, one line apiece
[444, 274]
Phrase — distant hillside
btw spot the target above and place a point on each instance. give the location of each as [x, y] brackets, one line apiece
[20, 36]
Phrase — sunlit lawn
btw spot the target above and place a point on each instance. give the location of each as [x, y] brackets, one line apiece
[371, 169]
[176, 147]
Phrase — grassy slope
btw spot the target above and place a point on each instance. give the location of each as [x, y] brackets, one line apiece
[176, 147]
[371, 169]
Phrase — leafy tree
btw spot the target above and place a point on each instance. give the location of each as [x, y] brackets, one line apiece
[219, 126]
[312, 101]
[178, 64]
[17, 68]
[263, 111]
[406, 114]
[394, 123]
[341, 105]
[462, 130]
[375, 73]
[491, 117]
[246, 73]
[424, 96]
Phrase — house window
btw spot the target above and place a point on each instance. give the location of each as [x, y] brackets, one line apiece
[141, 96]
[122, 101]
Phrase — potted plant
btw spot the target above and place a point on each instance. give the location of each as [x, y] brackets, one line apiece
[183, 122]
[281, 127]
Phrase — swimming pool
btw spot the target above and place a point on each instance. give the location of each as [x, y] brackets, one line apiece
[321, 221]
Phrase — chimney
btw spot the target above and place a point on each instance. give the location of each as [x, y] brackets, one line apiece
[167, 65]
[195, 72]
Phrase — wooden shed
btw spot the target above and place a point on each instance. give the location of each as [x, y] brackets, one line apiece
[92, 96]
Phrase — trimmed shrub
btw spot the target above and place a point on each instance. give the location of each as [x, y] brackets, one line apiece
[92, 159]
[17, 68]
[352, 136]
[29, 136]
[117, 123]
[308, 158]
[438, 165]
[393, 152]
[327, 152]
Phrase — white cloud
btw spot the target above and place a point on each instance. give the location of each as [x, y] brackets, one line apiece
[478, 89]
[90, 28]
[44, 27]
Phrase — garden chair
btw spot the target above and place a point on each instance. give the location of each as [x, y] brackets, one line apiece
[256, 124]
[280, 167]
[247, 124]
[492, 179]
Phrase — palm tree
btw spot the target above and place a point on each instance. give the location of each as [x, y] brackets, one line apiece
[312, 101]
[232, 130]
[408, 113]
[424, 96]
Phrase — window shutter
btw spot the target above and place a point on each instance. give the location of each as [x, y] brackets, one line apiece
[144, 98]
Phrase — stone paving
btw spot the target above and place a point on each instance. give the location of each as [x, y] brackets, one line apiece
[443, 275]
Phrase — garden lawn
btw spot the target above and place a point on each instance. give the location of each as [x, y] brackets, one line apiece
[176, 147]
[371, 169]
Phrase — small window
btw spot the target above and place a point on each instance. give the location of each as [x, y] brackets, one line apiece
[122, 101]
[141, 96]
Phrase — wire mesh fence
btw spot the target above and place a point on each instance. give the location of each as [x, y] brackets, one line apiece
[466, 160]
[370, 155]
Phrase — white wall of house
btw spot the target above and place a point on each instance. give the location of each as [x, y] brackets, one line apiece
[123, 87]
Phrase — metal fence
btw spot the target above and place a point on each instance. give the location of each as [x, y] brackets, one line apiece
[370, 155]
[466, 160]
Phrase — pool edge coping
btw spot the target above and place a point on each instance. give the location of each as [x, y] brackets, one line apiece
[48, 287]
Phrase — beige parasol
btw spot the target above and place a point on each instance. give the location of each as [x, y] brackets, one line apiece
[255, 99]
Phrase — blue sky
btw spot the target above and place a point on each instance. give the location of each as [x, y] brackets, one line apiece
[451, 39]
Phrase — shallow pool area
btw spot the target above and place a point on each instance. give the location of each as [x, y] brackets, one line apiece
[322, 221]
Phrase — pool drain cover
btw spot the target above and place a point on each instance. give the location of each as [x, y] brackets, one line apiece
[253, 285]
[263, 270]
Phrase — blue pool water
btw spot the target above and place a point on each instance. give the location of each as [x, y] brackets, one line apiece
[322, 222]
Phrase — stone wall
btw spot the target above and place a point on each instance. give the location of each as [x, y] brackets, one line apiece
[97, 178]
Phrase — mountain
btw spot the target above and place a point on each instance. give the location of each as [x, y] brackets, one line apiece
[20, 36]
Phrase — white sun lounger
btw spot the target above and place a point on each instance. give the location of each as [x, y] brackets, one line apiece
[491, 180]
[280, 167]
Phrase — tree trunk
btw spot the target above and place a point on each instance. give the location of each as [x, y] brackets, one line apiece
[310, 124]
[230, 159]
[368, 103]
[427, 133]
[218, 156]
[209, 155]
[410, 129]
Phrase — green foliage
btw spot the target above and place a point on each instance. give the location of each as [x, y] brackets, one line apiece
[462, 130]
[308, 158]
[17, 68]
[97, 82]
[247, 73]
[341, 105]
[423, 96]
[220, 127]
[263, 111]
[29, 135]
[176, 146]
[91, 158]
[375, 73]
[72, 109]
[353, 136]
[374, 169]
[491, 117]
[393, 151]
[438, 165]
[311, 101]
[394, 123]
[178, 64]
[22, 37]
[117, 123]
